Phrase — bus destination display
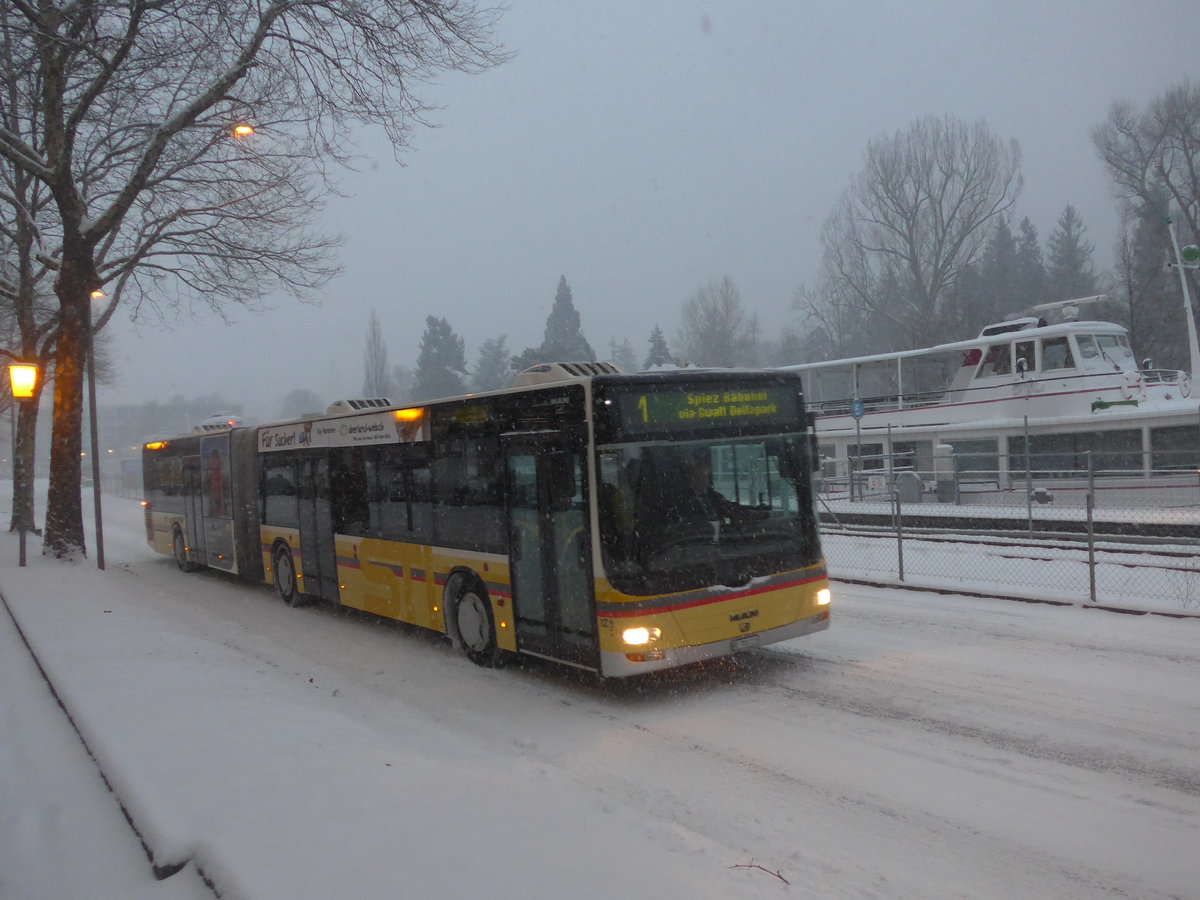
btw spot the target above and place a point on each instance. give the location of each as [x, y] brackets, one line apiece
[702, 406]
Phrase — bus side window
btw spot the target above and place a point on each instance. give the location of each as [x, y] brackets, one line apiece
[279, 495]
[349, 492]
[401, 505]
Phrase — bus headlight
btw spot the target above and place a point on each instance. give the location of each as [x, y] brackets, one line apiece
[823, 597]
[641, 635]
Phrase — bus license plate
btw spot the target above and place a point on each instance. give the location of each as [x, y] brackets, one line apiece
[750, 640]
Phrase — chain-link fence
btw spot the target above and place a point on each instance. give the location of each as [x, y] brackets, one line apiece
[1109, 529]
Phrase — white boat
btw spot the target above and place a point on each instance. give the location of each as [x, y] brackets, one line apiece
[1027, 407]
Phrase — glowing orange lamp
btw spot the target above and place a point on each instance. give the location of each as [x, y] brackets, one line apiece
[23, 378]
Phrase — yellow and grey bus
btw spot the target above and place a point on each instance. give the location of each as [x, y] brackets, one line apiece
[617, 523]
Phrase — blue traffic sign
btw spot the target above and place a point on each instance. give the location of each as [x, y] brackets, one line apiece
[856, 408]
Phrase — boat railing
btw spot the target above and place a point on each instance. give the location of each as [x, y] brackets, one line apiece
[922, 399]
[884, 403]
[1162, 478]
[1161, 376]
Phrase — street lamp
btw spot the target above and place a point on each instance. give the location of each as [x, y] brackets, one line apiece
[91, 378]
[22, 379]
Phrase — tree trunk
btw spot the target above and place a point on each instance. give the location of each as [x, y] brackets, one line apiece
[24, 467]
[64, 537]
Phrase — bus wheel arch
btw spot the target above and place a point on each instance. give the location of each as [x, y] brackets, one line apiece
[470, 622]
[179, 551]
[283, 574]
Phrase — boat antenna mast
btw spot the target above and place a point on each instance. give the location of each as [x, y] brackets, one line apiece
[1068, 308]
[1187, 258]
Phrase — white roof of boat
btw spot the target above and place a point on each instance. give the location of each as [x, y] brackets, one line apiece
[1044, 330]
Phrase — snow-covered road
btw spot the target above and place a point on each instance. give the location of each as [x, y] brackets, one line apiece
[924, 746]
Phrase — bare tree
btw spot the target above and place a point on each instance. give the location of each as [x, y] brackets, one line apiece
[130, 106]
[715, 329]
[28, 313]
[914, 217]
[377, 377]
[1153, 156]
[1153, 159]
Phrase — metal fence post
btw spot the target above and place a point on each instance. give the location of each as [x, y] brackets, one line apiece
[1028, 479]
[1091, 529]
[957, 486]
[899, 534]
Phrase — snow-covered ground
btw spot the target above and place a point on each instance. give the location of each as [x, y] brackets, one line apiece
[924, 746]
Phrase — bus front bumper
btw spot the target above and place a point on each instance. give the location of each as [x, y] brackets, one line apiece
[622, 665]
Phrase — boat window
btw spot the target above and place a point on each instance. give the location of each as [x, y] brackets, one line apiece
[996, 362]
[1025, 352]
[1087, 346]
[1115, 347]
[1056, 354]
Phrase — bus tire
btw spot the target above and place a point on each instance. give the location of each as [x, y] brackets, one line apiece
[474, 624]
[179, 551]
[283, 571]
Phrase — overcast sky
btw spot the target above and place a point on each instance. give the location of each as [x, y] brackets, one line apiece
[644, 147]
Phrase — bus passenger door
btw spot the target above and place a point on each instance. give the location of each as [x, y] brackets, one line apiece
[318, 560]
[217, 503]
[193, 510]
[549, 549]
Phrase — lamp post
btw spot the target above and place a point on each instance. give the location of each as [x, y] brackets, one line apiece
[22, 378]
[91, 379]
[1187, 258]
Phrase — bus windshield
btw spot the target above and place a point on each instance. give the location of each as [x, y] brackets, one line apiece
[681, 515]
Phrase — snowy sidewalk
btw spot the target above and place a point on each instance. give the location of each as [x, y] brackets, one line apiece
[231, 762]
[62, 834]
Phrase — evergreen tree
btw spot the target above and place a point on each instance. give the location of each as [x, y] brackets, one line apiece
[564, 340]
[622, 354]
[403, 380]
[659, 354]
[1029, 286]
[442, 363]
[998, 273]
[1069, 271]
[493, 370]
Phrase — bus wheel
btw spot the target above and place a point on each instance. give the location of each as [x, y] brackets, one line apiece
[284, 569]
[476, 629]
[179, 551]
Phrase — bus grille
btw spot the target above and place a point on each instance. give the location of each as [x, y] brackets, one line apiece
[149, 525]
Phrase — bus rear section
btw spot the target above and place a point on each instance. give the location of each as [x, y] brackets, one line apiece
[200, 500]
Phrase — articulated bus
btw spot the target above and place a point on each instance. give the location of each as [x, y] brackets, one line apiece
[616, 523]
